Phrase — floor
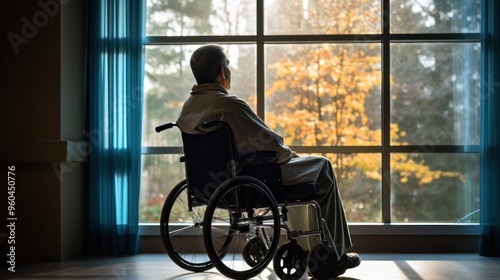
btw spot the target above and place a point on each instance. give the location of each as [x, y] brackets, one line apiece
[159, 266]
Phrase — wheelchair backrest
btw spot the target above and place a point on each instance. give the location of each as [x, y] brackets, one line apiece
[210, 160]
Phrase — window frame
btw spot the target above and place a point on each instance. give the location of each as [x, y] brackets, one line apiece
[385, 39]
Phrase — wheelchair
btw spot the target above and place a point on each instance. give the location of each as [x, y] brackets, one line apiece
[233, 207]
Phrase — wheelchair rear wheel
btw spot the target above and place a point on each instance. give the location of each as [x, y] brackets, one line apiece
[178, 223]
[247, 210]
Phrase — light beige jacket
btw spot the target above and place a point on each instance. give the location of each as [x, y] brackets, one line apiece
[211, 101]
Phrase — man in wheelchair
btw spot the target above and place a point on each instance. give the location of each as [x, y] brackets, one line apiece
[209, 100]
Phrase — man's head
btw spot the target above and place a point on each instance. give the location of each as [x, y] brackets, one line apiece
[209, 64]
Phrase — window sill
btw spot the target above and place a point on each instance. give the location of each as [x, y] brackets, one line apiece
[153, 229]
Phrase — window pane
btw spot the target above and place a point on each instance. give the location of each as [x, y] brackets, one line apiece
[322, 17]
[201, 17]
[168, 82]
[435, 16]
[324, 94]
[360, 184]
[359, 181]
[434, 187]
[160, 174]
[435, 94]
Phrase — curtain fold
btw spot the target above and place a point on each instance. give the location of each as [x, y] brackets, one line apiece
[114, 85]
[490, 130]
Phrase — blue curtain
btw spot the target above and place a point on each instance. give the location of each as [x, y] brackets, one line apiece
[114, 84]
[490, 130]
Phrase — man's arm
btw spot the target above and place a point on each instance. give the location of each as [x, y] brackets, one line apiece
[252, 133]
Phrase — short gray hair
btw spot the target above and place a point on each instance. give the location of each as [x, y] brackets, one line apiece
[206, 62]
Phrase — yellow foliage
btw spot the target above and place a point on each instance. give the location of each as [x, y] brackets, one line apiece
[319, 95]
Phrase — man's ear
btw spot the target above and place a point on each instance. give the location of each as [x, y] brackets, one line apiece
[223, 72]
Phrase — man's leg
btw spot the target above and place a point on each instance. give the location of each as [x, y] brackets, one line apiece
[332, 209]
[320, 171]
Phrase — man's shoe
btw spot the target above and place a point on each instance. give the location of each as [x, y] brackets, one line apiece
[347, 261]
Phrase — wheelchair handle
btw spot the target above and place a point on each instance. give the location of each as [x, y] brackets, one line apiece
[165, 127]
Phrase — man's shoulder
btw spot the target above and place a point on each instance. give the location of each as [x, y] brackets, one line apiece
[231, 99]
[215, 97]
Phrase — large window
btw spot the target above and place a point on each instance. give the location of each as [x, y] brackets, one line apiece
[389, 91]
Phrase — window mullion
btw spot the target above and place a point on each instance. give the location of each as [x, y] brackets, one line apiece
[386, 114]
[261, 87]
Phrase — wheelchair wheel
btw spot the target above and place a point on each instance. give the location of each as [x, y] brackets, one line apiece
[322, 261]
[178, 223]
[290, 261]
[246, 207]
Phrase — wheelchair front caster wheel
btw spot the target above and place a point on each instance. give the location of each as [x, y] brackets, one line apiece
[322, 261]
[290, 261]
[254, 251]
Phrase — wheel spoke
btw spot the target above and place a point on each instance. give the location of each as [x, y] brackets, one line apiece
[248, 204]
[177, 221]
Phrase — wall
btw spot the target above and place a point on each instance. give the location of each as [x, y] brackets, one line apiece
[72, 125]
[41, 117]
[377, 239]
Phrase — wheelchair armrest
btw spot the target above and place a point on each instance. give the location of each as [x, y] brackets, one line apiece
[261, 157]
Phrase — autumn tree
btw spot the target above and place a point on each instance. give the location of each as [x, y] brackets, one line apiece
[318, 96]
